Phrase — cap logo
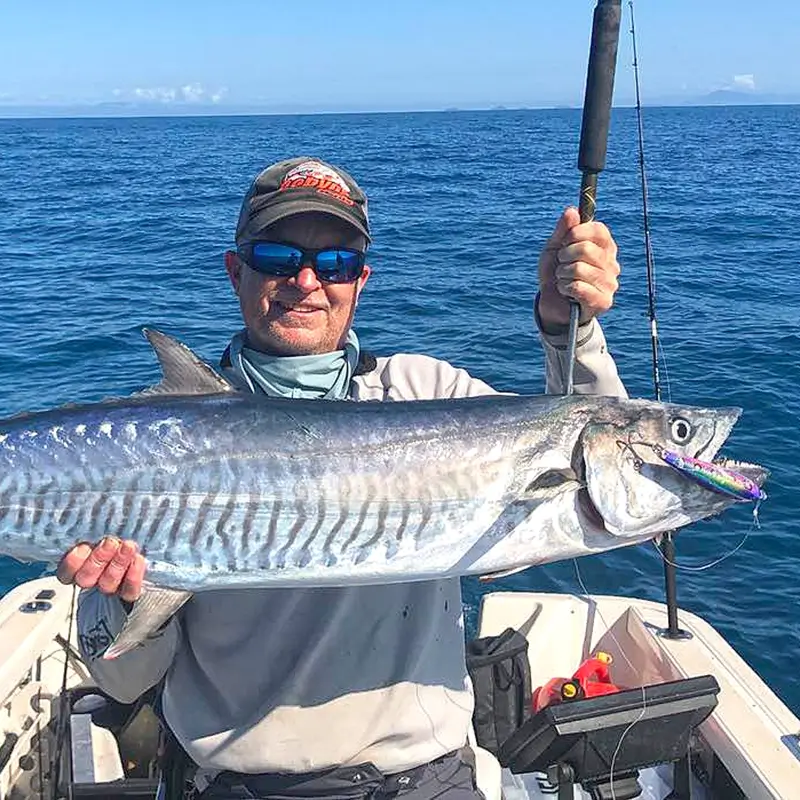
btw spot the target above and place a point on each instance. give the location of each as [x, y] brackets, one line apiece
[313, 175]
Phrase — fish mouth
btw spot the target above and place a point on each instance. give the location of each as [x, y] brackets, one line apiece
[755, 472]
[724, 424]
[727, 419]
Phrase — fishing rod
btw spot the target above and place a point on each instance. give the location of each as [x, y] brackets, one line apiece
[594, 134]
[667, 543]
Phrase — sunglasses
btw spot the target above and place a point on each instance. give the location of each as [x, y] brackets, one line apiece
[331, 264]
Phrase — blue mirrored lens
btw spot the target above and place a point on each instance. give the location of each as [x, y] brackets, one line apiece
[277, 259]
[339, 265]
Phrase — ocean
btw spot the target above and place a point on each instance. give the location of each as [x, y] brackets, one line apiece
[110, 225]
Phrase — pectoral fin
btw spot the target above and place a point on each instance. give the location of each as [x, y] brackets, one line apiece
[154, 608]
[549, 479]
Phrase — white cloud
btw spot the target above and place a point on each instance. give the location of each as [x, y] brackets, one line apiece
[744, 83]
[158, 94]
[188, 93]
[192, 92]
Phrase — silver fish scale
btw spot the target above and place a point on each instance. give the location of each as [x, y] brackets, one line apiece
[236, 489]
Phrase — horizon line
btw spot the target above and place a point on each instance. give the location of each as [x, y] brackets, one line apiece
[102, 111]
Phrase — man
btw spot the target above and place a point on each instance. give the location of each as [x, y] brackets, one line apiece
[335, 691]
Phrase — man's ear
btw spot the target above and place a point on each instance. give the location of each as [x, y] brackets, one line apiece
[362, 281]
[233, 266]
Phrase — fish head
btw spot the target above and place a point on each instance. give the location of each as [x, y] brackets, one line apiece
[632, 488]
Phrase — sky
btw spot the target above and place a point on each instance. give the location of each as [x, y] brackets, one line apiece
[337, 55]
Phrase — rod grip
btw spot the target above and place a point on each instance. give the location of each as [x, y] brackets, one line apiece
[599, 85]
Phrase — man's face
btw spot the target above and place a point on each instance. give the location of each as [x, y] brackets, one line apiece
[299, 315]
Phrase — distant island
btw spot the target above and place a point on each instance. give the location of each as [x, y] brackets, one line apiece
[720, 97]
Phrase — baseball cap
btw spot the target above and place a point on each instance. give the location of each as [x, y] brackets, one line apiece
[297, 185]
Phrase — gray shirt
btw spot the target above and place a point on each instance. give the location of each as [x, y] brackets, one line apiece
[293, 680]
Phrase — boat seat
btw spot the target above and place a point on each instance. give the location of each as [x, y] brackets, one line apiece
[113, 746]
[94, 753]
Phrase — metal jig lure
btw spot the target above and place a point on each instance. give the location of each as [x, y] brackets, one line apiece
[712, 476]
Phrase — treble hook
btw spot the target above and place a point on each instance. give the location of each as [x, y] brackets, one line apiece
[638, 461]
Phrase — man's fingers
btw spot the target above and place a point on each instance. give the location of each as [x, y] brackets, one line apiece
[594, 232]
[111, 577]
[602, 279]
[72, 562]
[566, 221]
[113, 566]
[588, 253]
[100, 557]
[593, 300]
[132, 583]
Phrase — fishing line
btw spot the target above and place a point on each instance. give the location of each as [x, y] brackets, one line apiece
[648, 248]
[666, 370]
[55, 764]
[610, 632]
[687, 568]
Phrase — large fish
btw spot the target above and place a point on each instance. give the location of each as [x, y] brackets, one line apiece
[226, 489]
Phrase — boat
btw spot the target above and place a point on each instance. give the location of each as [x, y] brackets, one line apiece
[683, 716]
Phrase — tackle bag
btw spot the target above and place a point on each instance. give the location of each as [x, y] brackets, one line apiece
[501, 680]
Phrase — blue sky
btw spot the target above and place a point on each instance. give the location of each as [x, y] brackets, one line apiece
[329, 55]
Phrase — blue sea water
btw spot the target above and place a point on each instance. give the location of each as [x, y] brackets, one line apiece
[108, 225]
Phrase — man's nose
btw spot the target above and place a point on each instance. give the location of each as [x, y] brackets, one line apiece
[306, 280]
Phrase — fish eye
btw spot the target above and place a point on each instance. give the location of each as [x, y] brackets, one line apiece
[680, 430]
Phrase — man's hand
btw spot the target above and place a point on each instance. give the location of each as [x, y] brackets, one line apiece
[579, 262]
[113, 566]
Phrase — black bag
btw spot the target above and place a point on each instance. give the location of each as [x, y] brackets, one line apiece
[501, 680]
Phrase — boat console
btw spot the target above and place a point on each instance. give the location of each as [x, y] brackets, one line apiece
[603, 742]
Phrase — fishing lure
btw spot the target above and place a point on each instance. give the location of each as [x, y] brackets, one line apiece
[715, 476]
[712, 476]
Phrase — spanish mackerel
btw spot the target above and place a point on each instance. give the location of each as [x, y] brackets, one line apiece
[222, 488]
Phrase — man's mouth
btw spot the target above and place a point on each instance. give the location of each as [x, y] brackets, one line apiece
[290, 308]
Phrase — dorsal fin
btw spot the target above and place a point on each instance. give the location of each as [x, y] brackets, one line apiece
[184, 371]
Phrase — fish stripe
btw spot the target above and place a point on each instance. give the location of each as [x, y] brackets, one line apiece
[329, 557]
[155, 525]
[380, 527]
[425, 518]
[401, 528]
[40, 498]
[127, 506]
[221, 531]
[250, 512]
[305, 556]
[180, 514]
[264, 560]
[300, 520]
[111, 510]
[362, 515]
[144, 509]
[201, 518]
[5, 502]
